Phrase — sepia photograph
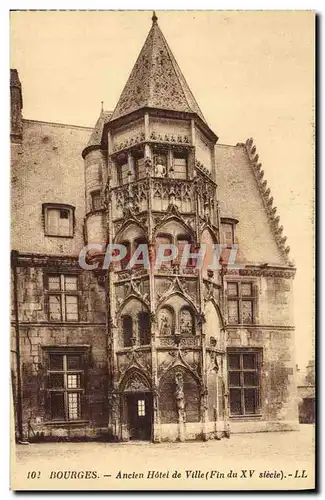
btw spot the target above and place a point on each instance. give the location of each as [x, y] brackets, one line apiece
[162, 250]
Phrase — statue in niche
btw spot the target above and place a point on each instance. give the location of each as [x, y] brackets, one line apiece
[207, 216]
[186, 322]
[179, 395]
[165, 325]
[160, 168]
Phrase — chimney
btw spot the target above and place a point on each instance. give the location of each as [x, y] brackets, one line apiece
[16, 129]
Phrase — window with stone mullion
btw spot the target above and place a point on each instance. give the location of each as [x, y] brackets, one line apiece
[62, 298]
[240, 303]
[244, 382]
[65, 386]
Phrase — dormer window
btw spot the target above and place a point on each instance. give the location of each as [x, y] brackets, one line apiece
[58, 220]
[228, 226]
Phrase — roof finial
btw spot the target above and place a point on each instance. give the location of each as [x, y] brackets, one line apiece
[154, 17]
[102, 104]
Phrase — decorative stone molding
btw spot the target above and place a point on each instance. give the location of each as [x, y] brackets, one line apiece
[138, 219]
[182, 342]
[129, 142]
[132, 361]
[189, 341]
[264, 271]
[178, 360]
[131, 273]
[137, 288]
[175, 269]
[136, 384]
[172, 212]
[166, 341]
[47, 261]
[202, 168]
[179, 285]
[265, 192]
[180, 139]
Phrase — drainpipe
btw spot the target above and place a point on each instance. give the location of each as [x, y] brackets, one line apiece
[19, 408]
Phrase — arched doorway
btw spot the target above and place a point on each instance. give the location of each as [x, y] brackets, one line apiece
[137, 407]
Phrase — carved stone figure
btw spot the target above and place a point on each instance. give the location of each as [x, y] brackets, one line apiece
[179, 395]
[186, 322]
[160, 169]
[165, 326]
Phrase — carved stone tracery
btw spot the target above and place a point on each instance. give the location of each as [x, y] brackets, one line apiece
[131, 195]
[136, 383]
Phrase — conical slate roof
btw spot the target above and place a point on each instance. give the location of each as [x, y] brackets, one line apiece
[96, 135]
[156, 80]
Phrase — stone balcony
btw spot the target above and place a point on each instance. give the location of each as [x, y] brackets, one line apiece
[161, 191]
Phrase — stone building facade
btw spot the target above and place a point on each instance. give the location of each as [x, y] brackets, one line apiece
[307, 394]
[170, 353]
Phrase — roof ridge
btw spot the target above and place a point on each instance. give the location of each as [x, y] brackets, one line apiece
[151, 89]
[57, 124]
[265, 193]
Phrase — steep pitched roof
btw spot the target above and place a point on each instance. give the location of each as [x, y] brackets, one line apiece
[156, 80]
[244, 195]
[96, 135]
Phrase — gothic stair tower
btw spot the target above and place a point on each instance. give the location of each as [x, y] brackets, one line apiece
[166, 342]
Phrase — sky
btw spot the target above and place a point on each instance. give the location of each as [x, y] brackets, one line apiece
[252, 74]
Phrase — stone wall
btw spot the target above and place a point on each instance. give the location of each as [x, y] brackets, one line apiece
[172, 128]
[38, 335]
[47, 168]
[275, 301]
[277, 377]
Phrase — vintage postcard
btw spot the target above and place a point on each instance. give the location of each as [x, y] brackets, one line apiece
[162, 207]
